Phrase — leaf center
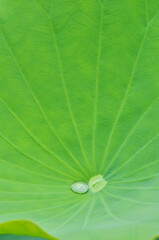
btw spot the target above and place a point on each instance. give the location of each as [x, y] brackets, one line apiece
[97, 183]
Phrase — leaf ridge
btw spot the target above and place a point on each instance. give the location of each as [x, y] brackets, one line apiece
[125, 96]
[64, 85]
[39, 105]
[137, 152]
[136, 180]
[132, 131]
[107, 209]
[73, 215]
[34, 184]
[88, 213]
[147, 15]
[132, 188]
[128, 199]
[62, 213]
[35, 139]
[32, 172]
[139, 169]
[96, 86]
[28, 156]
[37, 210]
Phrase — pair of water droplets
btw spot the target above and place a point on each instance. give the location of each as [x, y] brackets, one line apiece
[95, 184]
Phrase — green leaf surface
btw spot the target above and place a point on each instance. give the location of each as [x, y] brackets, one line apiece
[79, 97]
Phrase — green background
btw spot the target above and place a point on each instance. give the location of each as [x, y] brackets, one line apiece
[79, 96]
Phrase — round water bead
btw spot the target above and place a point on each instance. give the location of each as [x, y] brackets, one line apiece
[79, 187]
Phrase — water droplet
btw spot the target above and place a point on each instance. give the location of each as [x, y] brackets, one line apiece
[79, 187]
[96, 183]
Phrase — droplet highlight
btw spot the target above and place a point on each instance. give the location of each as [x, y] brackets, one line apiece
[79, 187]
[97, 183]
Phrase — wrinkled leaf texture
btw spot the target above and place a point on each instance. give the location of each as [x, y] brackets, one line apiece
[79, 96]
